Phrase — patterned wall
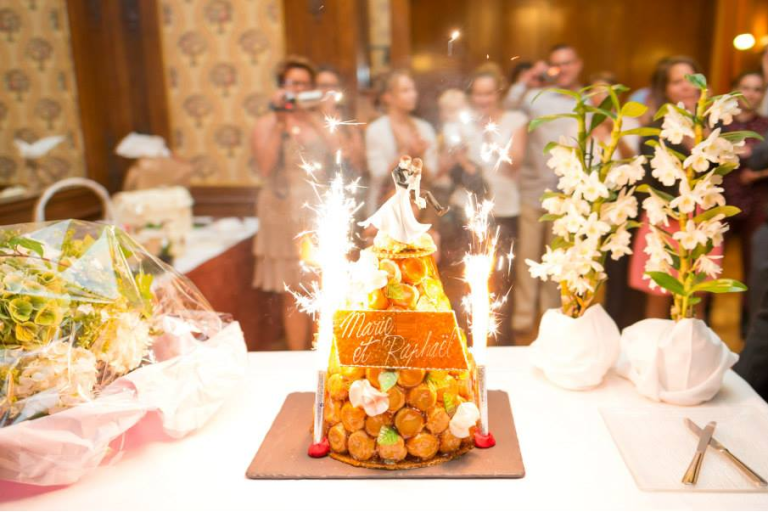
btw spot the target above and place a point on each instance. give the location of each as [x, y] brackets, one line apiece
[220, 56]
[38, 94]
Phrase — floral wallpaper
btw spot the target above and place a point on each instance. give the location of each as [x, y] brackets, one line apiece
[220, 57]
[38, 94]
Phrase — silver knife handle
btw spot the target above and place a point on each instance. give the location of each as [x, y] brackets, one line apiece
[692, 473]
[757, 479]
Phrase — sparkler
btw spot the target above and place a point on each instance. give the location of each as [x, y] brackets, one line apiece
[478, 265]
[454, 36]
[334, 215]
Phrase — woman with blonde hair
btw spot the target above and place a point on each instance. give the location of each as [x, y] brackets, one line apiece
[395, 134]
[496, 150]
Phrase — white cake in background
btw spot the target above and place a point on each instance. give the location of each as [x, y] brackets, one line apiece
[156, 217]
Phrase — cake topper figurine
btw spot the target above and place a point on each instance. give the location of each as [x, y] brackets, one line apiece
[396, 217]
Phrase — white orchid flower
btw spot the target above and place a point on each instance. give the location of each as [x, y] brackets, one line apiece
[656, 208]
[708, 265]
[676, 126]
[687, 200]
[690, 237]
[666, 167]
[626, 174]
[723, 109]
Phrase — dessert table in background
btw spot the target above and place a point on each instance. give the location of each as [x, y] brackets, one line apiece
[570, 459]
[221, 253]
[207, 242]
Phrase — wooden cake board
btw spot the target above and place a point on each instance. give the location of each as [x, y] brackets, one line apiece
[283, 453]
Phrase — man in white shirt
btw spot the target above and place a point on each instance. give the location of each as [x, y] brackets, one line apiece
[531, 295]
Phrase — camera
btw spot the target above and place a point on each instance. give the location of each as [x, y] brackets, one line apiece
[550, 75]
[292, 102]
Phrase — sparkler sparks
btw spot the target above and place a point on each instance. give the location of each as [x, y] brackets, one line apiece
[310, 167]
[333, 123]
[479, 264]
[332, 243]
[489, 149]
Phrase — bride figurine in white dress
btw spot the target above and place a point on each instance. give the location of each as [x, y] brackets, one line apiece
[395, 217]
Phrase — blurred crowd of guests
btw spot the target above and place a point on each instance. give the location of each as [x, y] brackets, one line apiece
[481, 146]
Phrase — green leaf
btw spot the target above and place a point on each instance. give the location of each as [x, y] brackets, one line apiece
[739, 136]
[661, 112]
[633, 109]
[449, 401]
[545, 119]
[548, 217]
[395, 291]
[387, 380]
[27, 243]
[720, 286]
[20, 309]
[699, 80]
[631, 224]
[559, 242]
[48, 315]
[647, 189]
[26, 331]
[597, 119]
[573, 94]
[387, 436]
[725, 169]
[550, 193]
[667, 282]
[144, 284]
[652, 143]
[728, 211]
[642, 132]
[600, 111]
[550, 145]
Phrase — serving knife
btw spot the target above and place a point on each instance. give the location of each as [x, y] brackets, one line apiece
[714, 443]
[692, 473]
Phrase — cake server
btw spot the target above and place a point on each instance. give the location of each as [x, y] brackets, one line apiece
[714, 443]
[692, 473]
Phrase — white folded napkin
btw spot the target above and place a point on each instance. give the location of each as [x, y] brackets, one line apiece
[39, 148]
[680, 363]
[136, 145]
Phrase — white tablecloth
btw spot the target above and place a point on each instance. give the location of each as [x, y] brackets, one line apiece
[207, 242]
[570, 458]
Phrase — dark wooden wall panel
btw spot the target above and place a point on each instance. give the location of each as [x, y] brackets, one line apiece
[627, 37]
[332, 33]
[120, 79]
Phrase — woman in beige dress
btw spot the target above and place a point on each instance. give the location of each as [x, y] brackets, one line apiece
[283, 141]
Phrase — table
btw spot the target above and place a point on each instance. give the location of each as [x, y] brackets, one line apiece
[570, 459]
[222, 252]
[208, 242]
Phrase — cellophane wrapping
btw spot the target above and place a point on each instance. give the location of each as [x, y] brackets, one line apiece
[95, 333]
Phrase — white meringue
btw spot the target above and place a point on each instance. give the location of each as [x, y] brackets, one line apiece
[466, 417]
[373, 401]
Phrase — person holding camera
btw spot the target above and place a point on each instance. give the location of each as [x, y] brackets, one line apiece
[291, 147]
[562, 72]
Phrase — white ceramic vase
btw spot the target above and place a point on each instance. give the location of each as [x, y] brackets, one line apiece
[680, 363]
[576, 353]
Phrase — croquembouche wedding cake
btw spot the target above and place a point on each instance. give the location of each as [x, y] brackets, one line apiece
[401, 386]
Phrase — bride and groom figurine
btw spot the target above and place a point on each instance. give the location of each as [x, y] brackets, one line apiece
[396, 217]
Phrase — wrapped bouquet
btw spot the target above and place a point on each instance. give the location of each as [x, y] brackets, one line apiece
[91, 326]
